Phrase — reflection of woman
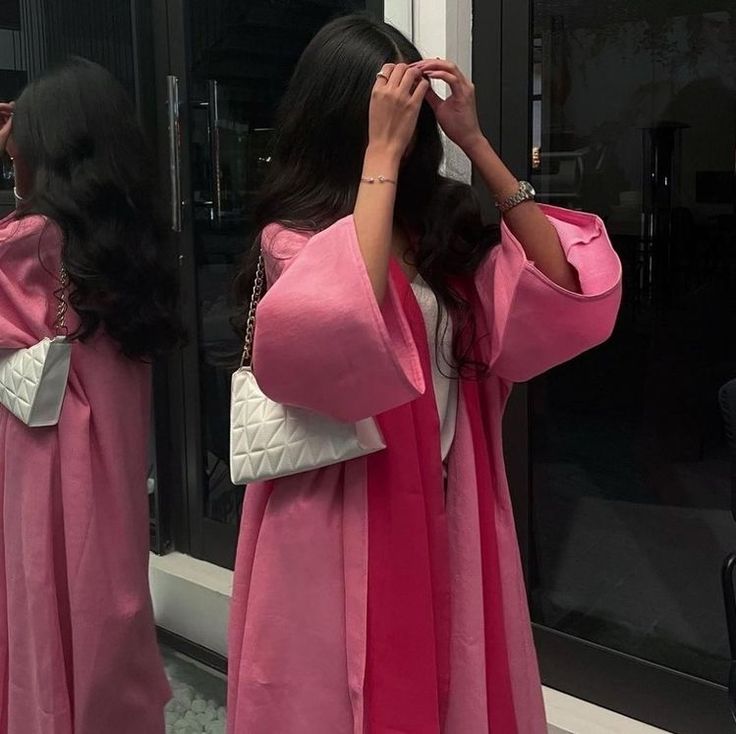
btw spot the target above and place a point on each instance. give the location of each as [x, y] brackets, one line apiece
[78, 651]
[385, 594]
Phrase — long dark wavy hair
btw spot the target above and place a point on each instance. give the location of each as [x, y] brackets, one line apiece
[94, 176]
[321, 138]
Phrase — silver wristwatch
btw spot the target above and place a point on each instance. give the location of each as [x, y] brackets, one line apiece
[525, 193]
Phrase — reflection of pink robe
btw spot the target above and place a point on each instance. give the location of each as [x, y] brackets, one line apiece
[78, 651]
[309, 649]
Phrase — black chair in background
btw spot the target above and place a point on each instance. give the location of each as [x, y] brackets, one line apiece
[727, 397]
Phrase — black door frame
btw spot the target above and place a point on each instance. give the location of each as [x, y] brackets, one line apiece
[178, 389]
[671, 700]
[182, 494]
[150, 53]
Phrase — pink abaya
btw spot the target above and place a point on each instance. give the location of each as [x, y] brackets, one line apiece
[78, 651]
[371, 597]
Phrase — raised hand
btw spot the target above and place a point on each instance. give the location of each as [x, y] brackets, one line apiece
[6, 123]
[395, 103]
[458, 114]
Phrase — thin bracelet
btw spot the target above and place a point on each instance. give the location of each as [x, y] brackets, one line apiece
[377, 179]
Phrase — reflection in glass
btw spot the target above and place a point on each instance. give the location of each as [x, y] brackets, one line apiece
[35, 34]
[635, 118]
[13, 74]
[242, 56]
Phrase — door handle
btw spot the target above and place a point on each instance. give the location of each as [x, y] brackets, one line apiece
[174, 114]
[213, 110]
[729, 598]
[727, 401]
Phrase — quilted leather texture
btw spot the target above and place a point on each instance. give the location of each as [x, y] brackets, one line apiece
[269, 440]
[33, 381]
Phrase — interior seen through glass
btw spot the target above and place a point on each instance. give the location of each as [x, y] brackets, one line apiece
[634, 118]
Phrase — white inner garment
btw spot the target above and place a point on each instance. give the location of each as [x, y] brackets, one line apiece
[445, 385]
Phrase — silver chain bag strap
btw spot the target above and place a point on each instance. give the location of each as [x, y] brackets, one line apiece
[33, 381]
[269, 440]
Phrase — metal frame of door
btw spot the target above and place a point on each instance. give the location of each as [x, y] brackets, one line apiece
[146, 34]
[182, 495]
[674, 701]
[178, 387]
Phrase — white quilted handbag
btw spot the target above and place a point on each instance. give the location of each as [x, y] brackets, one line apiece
[33, 381]
[269, 440]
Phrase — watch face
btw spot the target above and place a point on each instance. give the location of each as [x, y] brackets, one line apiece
[528, 188]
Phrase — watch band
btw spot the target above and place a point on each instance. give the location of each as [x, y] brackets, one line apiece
[525, 193]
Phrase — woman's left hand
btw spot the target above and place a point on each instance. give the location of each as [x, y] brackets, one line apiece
[458, 114]
[6, 123]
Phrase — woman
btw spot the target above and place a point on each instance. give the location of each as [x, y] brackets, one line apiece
[385, 595]
[78, 650]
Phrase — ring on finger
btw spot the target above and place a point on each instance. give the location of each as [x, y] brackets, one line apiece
[381, 75]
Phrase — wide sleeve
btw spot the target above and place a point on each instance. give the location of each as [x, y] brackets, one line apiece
[322, 340]
[30, 255]
[534, 323]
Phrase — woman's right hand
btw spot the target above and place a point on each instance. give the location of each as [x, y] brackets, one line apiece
[6, 123]
[395, 103]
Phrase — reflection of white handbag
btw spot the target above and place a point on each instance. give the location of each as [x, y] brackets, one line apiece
[33, 381]
[269, 440]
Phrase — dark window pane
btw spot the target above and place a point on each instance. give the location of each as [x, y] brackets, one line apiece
[10, 14]
[637, 122]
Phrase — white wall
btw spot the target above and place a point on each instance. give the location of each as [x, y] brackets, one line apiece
[439, 28]
[399, 13]
[191, 598]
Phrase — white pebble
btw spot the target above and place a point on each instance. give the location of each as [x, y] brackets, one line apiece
[199, 705]
[206, 716]
[184, 695]
[176, 708]
[189, 713]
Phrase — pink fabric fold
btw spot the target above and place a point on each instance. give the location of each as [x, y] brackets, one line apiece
[29, 274]
[326, 283]
[408, 639]
[535, 324]
[499, 690]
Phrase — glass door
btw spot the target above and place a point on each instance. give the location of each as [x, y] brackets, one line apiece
[628, 110]
[13, 77]
[34, 35]
[229, 63]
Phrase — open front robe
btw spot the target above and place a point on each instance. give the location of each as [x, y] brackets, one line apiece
[78, 652]
[370, 597]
